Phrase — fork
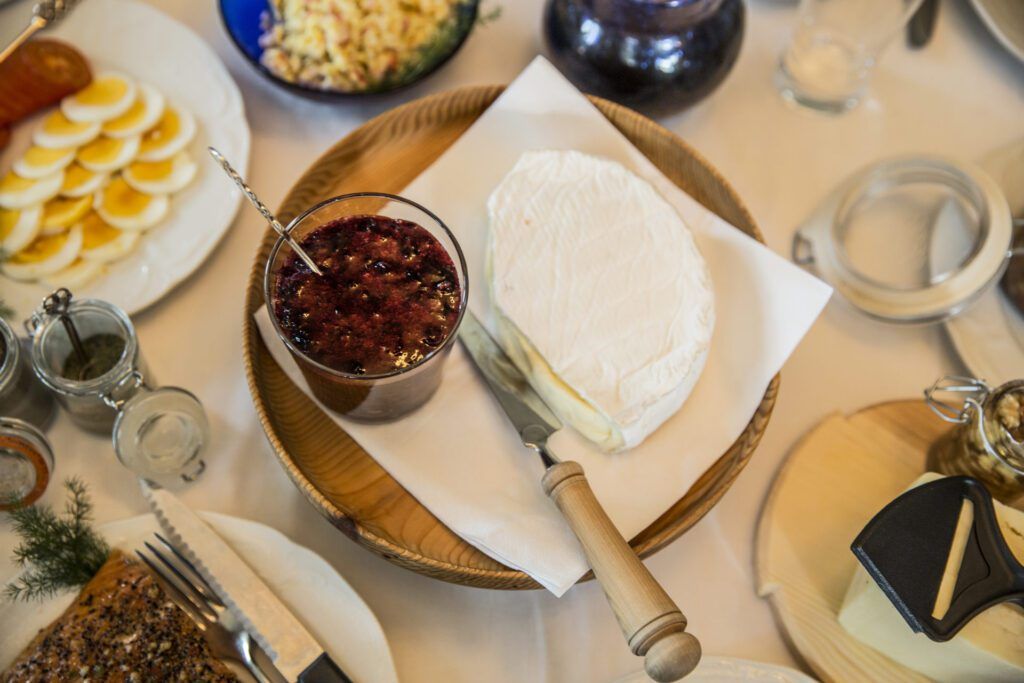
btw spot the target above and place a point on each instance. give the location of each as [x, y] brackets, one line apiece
[195, 597]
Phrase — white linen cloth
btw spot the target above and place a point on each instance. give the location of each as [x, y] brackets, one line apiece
[459, 456]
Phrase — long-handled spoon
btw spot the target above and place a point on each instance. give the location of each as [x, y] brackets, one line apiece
[262, 208]
[44, 13]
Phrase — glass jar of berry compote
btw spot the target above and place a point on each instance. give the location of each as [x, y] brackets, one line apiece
[371, 333]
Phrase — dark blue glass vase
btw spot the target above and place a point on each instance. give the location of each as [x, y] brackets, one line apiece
[656, 56]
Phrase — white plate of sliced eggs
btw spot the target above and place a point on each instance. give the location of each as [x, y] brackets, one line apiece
[104, 192]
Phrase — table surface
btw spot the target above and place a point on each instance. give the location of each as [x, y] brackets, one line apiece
[962, 96]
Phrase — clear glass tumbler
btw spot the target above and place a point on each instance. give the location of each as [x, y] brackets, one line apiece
[368, 397]
[836, 43]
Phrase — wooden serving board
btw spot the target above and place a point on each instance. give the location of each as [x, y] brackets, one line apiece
[833, 482]
[335, 474]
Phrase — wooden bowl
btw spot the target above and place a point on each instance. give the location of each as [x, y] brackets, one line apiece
[343, 481]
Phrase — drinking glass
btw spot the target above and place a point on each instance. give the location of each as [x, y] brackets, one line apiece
[836, 43]
[368, 397]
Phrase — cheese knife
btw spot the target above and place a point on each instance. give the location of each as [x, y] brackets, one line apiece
[653, 625]
[291, 648]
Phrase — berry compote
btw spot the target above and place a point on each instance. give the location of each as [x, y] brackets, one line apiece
[389, 295]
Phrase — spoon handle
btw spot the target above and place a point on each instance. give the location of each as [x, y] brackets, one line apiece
[262, 208]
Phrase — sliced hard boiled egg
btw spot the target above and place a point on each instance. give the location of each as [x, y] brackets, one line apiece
[46, 255]
[143, 114]
[19, 228]
[79, 181]
[58, 131]
[60, 214]
[79, 273]
[102, 243]
[108, 96]
[161, 177]
[19, 193]
[108, 154]
[128, 209]
[176, 129]
[38, 162]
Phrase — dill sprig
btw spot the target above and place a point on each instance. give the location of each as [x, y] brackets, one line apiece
[57, 551]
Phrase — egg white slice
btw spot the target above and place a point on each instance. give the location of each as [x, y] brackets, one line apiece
[20, 193]
[19, 228]
[46, 255]
[175, 130]
[38, 162]
[161, 177]
[79, 181]
[108, 96]
[128, 209]
[103, 243]
[59, 214]
[57, 131]
[144, 113]
[78, 274]
[108, 154]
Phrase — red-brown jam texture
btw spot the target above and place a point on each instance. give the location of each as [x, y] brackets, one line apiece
[389, 295]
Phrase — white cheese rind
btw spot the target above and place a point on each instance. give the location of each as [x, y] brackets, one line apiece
[601, 295]
[989, 649]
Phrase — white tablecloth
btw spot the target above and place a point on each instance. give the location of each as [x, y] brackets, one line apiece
[961, 96]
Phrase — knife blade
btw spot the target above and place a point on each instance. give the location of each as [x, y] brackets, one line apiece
[294, 651]
[654, 627]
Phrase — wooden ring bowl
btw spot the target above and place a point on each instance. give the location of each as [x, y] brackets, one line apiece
[344, 482]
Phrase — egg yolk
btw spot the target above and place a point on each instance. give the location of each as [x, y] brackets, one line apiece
[75, 176]
[128, 119]
[8, 219]
[43, 248]
[96, 232]
[167, 129]
[101, 150]
[152, 170]
[102, 91]
[63, 212]
[58, 124]
[43, 156]
[121, 200]
[15, 183]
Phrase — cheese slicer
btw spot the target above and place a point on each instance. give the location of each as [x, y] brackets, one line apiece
[938, 554]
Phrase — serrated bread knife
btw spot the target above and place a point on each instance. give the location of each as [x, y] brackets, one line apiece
[294, 652]
[653, 625]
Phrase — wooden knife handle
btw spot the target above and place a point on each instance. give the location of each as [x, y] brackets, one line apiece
[654, 626]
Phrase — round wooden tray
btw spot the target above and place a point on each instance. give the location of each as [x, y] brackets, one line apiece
[335, 474]
[832, 483]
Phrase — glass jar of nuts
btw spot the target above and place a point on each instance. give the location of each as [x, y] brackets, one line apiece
[988, 442]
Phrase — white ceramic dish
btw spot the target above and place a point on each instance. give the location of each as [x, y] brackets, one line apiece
[731, 670]
[1005, 19]
[154, 48]
[989, 336]
[321, 599]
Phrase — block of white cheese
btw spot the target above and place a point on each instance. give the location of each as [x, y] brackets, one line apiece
[989, 649]
[600, 294]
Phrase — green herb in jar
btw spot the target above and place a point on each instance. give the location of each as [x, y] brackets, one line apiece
[102, 353]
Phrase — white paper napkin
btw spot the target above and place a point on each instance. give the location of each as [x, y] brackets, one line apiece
[460, 457]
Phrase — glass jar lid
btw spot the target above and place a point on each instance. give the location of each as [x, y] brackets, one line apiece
[911, 239]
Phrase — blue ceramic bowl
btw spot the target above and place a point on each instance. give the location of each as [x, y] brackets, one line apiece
[243, 22]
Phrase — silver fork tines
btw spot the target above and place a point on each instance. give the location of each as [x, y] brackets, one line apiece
[189, 591]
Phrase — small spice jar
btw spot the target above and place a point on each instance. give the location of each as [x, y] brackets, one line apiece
[26, 463]
[84, 388]
[21, 394]
[988, 442]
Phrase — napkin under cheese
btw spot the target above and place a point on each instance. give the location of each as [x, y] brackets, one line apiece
[459, 456]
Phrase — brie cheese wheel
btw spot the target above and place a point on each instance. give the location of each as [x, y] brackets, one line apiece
[600, 294]
[989, 649]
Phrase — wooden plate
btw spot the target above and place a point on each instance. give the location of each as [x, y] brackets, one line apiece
[833, 482]
[335, 474]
